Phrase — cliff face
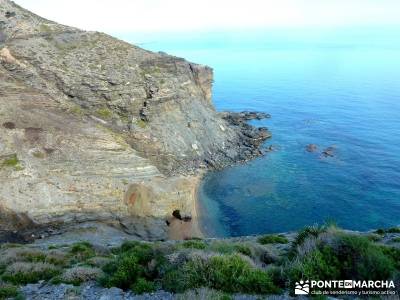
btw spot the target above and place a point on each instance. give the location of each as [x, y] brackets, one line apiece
[86, 119]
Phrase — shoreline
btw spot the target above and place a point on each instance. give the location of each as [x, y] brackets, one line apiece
[196, 228]
[183, 230]
[147, 144]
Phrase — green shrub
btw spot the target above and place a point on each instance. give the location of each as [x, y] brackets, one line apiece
[24, 272]
[307, 232]
[8, 291]
[389, 230]
[58, 258]
[134, 260]
[104, 113]
[142, 124]
[77, 110]
[142, 286]
[230, 273]
[10, 245]
[194, 244]
[176, 281]
[342, 256]
[39, 154]
[126, 246]
[56, 280]
[45, 28]
[320, 264]
[278, 276]
[393, 230]
[361, 259]
[272, 239]
[230, 248]
[143, 252]
[33, 256]
[12, 161]
[82, 251]
[374, 237]
[243, 249]
[393, 253]
[122, 272]
[222, 247]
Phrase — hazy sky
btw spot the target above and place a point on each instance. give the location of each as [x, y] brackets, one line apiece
[188, 15]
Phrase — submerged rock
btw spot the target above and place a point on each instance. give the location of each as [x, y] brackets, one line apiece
[251, 137]
[329, 152]
[237, 118]
[311, 148]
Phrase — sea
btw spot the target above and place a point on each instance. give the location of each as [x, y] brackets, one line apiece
[331, 87]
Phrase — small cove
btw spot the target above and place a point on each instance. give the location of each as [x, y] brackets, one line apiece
[338, 88]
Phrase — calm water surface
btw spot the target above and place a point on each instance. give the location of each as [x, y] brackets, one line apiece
[336, 88]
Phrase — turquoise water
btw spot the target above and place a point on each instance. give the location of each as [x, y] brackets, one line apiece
[336, 88]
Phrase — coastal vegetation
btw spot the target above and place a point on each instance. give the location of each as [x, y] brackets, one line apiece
[97, 131]
[11, 161]
[104, 113]
[264, 265]
[272, 239]
[389, 230]
[8, 291]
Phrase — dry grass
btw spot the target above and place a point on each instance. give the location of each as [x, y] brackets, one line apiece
[327, 236]
[77, 275]
[11, 255]
[203, 294]
[29, 272]
[57, 257]
[98, 261]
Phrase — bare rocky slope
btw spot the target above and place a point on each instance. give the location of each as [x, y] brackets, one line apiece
[95, 129]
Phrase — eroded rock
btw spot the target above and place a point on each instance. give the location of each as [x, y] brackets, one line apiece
[9, 125]
[101, 128]
[2, 36]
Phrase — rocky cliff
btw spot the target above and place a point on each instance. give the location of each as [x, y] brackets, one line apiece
[93, 128]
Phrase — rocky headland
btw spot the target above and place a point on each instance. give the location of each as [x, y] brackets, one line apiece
[103, 144]
[96, 130]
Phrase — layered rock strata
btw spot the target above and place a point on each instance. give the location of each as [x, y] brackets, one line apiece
[95, 129]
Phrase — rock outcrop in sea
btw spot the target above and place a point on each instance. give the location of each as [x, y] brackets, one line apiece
[95, 129]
